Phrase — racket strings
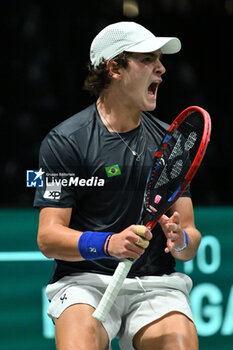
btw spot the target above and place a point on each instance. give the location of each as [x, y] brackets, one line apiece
[190, 141]
[169, 171]
[177, 150]
[163, 179]
[176, 169]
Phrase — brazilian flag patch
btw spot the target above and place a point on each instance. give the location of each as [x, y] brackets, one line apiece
[113, 170]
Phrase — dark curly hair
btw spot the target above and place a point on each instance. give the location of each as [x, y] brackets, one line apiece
[98, 78]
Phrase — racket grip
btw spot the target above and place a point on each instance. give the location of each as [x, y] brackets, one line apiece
[112, 290]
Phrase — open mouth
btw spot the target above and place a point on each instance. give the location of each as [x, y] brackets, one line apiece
[152, 88]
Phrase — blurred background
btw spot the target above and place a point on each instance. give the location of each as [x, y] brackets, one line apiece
[43, 63]
[44, 53]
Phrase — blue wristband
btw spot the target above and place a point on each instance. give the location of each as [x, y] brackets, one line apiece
[186, 237]
[91, 245]
[185, 243]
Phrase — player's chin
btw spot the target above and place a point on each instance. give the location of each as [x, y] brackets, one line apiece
[150, 106]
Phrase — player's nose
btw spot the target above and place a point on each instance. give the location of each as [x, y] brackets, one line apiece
[159, 67]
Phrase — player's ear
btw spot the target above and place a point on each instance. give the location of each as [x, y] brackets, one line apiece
[113, 70]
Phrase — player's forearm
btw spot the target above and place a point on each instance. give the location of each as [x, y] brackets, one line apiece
[59, 242]
[194, 239]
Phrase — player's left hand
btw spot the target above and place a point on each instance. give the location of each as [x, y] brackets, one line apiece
[173, 231]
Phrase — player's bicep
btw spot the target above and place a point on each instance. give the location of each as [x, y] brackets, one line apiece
[50, 216]
[55, 238]
[51, 222]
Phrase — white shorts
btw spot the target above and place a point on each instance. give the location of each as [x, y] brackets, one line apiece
[140, 301]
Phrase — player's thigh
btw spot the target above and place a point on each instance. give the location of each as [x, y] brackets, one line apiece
[172, 331]
[76, 329]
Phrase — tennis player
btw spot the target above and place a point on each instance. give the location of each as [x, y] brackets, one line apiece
[96, 166]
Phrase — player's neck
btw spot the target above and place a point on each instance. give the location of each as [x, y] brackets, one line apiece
[116, 116]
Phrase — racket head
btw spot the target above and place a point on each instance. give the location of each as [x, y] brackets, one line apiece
[175, 163]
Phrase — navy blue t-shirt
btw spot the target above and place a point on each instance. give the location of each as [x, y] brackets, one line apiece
[92, 170]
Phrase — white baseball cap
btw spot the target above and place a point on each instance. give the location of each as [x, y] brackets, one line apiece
[131, 37]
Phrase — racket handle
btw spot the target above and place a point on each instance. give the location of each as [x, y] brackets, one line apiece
[112, 290]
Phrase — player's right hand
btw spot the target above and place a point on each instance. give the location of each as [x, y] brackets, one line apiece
[130, 243]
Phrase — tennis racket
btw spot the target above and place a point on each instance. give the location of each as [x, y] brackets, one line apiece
[175, 163]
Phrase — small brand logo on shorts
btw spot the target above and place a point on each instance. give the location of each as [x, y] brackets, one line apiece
[63, 298]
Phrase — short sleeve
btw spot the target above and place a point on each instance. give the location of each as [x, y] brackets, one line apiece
[60, 161]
